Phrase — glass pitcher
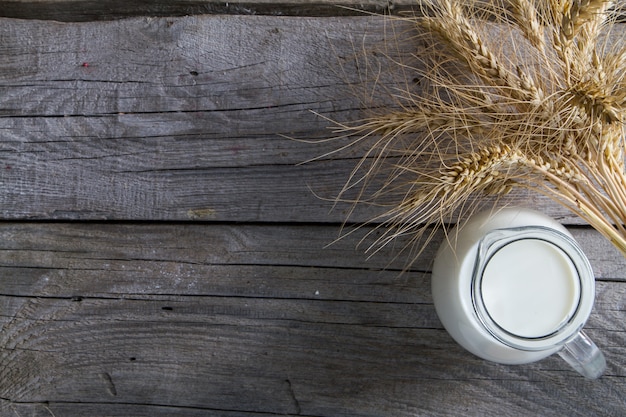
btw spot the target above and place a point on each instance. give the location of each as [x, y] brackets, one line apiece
[513, 286]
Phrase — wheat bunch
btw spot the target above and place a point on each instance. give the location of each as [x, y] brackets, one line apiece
[546, 113]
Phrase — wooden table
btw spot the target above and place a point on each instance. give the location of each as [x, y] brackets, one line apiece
[163, 251]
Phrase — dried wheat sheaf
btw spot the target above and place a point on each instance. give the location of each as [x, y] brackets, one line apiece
[546, 113]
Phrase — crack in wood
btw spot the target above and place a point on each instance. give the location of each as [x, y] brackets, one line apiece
[292, 394]
[109, 384]
[171, 407]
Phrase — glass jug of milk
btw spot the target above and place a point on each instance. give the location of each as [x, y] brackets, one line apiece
[513, 286]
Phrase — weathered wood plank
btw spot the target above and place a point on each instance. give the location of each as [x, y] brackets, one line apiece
[278, 365]
[195, 249]
[183, 118]
[90, 10]
[126, 319]
[115, 410]
[93, 10]
[193, 95]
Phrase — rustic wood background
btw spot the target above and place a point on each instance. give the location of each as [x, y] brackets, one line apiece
[163, 251]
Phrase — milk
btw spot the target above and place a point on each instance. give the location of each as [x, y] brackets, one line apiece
[512, 286]
[530, 288]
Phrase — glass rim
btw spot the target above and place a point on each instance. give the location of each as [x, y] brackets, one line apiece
[497, 239]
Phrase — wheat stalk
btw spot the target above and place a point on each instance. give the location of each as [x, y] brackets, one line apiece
[547, 116]
[528, 19]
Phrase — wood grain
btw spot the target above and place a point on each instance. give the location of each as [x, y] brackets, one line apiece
[163, 251]
[112, 320]
[91, 10]
[185, 118]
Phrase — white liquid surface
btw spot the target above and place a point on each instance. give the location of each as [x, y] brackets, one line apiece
[530, 288]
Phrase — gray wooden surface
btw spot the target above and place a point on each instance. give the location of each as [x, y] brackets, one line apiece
[164, 253]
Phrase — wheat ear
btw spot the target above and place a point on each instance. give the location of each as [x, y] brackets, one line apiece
[491, 121]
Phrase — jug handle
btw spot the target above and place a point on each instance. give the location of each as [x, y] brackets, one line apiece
[584, 356]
